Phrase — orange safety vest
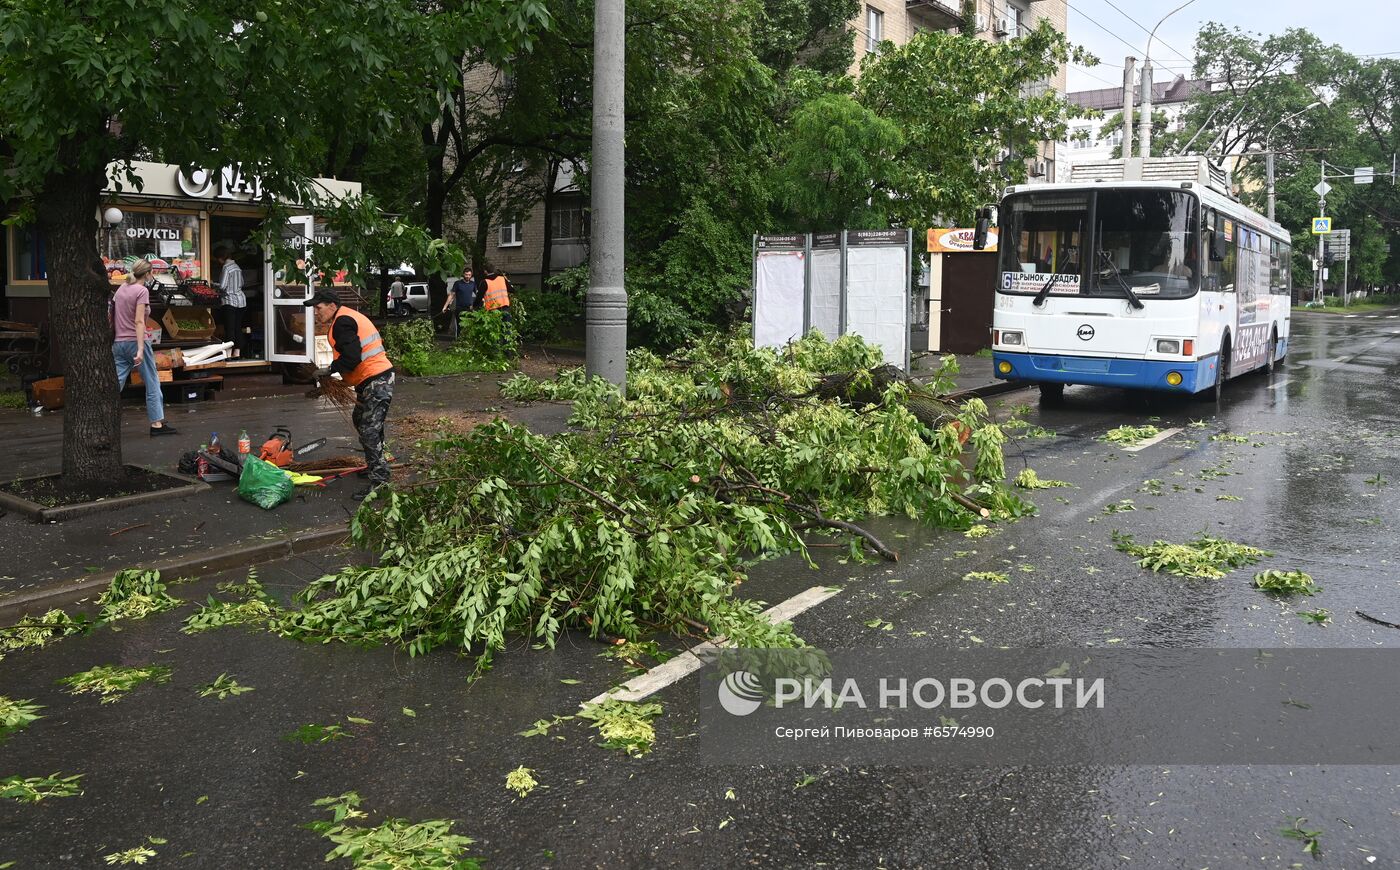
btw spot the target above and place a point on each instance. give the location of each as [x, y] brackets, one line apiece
[496, 295]
[373, 359]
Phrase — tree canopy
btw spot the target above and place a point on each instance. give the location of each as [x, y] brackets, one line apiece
[263, 84]
[1267, 84]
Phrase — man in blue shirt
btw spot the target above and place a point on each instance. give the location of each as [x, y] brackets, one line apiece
[461, 297]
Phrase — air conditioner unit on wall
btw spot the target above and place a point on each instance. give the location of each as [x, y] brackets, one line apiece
[979, 22]
[1003, 25]
[1038, 169]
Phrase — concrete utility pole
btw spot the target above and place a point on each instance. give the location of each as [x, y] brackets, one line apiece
[1145, 107]
[1129, 63]
[606, 351]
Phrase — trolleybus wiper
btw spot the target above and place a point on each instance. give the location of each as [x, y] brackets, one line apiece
[1044, 293]
[1123, 285]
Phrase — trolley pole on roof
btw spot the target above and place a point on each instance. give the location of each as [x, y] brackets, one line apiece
[606, 350]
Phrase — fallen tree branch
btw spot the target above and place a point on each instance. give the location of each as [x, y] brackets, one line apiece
[969, 504]
[128, 529]
[1369, 618]
[816, 520]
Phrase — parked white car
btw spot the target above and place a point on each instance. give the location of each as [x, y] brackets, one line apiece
[415, 300]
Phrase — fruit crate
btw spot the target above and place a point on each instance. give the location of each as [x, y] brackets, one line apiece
[189, 316]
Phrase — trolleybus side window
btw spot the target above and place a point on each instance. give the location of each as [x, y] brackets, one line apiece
[1221, 275]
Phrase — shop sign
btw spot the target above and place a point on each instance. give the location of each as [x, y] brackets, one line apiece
[951, 241]
[168, 234]
[231, 182]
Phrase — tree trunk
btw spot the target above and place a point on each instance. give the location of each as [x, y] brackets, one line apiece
[483, 234]
[78, 298]
[549, 178]
[434, 209]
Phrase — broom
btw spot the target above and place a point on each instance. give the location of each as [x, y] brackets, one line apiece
[335, 391]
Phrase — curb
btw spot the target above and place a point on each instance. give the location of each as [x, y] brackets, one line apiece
[996, 388]
[238, 555]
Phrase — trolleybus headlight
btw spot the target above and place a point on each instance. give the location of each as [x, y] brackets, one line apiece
[1174, 378]
[1168, 345]
[1010, 337]
[1004, 367]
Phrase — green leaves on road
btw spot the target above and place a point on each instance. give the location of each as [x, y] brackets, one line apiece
[394, 843]
[1203, 557]
[15, 715]
[222, 687]
[112, 682]
[37, 788]
[134, 594]
[624, 725]
[1128, 436]
[1286, 582]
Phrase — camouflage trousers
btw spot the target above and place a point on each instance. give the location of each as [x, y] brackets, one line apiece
[371, 411]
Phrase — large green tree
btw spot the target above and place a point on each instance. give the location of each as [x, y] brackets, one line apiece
[197, 82]
[1264, 88]
[971, 113]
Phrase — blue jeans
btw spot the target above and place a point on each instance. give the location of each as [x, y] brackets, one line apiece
[124, 354]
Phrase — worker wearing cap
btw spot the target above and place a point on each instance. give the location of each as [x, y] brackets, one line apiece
[361, 362]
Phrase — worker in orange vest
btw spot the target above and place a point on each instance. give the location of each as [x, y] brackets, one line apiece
[495, 293]
[361, 362]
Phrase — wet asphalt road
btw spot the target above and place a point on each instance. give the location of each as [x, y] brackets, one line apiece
[1316, 432]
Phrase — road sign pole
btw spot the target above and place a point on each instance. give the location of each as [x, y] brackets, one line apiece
[1346, 273]
[1322, 212]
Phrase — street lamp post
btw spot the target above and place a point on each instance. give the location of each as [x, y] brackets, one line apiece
[606, 350]
[1145, 121]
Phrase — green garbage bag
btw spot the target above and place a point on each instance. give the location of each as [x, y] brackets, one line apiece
[263, 483]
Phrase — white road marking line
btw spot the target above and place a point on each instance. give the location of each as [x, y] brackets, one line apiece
[695, 658]
[1283, 383]
[1155, 439]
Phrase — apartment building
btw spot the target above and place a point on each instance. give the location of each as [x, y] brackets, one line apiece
[1090, 141]
[898, 21]
[516, 243]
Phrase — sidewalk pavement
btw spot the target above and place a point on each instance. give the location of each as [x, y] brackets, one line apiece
[48, 556]
[974, 378]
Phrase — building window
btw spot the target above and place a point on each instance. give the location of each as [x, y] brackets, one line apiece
[28, 254]
[170, 241]
[511, 235]
[874, 29]
[1014, 16]
[567, 224]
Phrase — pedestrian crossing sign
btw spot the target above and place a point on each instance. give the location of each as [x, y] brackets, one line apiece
[1322, 225]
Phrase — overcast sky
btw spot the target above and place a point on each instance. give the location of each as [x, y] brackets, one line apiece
[1359, 27]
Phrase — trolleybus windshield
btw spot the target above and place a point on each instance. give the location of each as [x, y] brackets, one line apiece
[1149, 239]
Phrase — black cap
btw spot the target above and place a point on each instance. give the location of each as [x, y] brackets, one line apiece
[325, 296]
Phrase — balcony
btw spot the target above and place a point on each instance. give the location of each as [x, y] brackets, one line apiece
[934, 14]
